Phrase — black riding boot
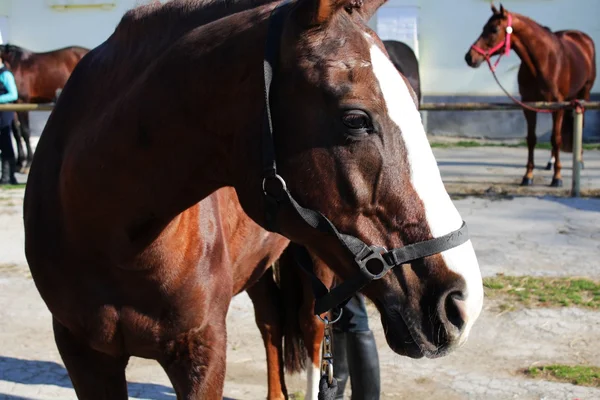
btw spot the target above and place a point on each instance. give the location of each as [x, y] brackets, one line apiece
[12, 168]
[363, 363]
[340, 362]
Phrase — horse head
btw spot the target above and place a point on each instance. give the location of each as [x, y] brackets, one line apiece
[494, 39]
[10, 54]
[350, 144]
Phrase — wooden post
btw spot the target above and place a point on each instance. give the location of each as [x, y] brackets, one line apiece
[577, 144]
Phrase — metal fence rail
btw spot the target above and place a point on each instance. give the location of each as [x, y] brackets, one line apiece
[577, 110]
[569, 106]
[542, 105]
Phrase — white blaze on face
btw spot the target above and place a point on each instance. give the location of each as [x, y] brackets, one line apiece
[442, 216]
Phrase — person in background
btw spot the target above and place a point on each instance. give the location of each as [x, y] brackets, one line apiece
[8, 94]
[355, 352]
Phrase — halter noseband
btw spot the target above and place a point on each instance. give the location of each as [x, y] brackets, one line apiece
[505, 43]
[373, 262]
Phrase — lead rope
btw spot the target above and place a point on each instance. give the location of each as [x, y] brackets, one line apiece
[327, 384]
[514, 99]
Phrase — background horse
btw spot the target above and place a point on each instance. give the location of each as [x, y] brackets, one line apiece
[405, 61]
[38, 76]
[555, 66]
[128, 268]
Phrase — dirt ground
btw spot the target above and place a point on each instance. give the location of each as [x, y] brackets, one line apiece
[516, 233]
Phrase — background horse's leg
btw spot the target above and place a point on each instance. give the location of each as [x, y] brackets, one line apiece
[26, 133]
[557, 122]
[312, 330]
[550, 163]
[531, 118]
[268, 312]
[303, 331]
[16, 130]
[195, 360]
[94, 375]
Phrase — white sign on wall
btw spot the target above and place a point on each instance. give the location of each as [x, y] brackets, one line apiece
[80, 3]
[399, 23]
[4, 38]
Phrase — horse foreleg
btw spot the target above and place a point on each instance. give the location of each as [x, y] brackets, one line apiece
[94, 375]
[195, 360]
[557, 119]
[268, 312]
[550, 163]
[312, 330]
[531, 118]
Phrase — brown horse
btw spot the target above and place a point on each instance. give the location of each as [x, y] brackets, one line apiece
[128, 267]
[555, 66]
[38, 76]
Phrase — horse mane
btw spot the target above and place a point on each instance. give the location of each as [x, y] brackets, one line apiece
[542, 28]
[15, 54]
[150, 29]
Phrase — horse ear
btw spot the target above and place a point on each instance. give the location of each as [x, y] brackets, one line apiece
[494, 9]
[502, 10]
[317, 12]
[368, 8]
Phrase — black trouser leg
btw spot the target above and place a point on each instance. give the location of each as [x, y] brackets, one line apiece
[7, 156]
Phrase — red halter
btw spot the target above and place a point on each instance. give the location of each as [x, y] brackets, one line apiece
[505, 43]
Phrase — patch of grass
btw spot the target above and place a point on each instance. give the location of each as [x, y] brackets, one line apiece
[297, 396]
[461, 143]
[9, 187]
[582, 375]
[544, 292]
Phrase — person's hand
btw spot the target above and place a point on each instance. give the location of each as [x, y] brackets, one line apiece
[327, 391]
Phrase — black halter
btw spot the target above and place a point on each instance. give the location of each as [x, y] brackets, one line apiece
[277, 196]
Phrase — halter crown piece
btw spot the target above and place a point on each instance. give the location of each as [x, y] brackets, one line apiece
[505, 43]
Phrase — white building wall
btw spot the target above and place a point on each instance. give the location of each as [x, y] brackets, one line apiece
[446, 29]
[35, 25]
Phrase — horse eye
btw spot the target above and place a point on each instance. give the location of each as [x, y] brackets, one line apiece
[358, 122]
[494, 29]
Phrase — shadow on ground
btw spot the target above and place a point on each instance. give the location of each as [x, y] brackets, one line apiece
[583, 204]
[37, 372]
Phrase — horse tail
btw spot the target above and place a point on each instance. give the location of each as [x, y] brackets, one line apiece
[567, 132]
[295, 353]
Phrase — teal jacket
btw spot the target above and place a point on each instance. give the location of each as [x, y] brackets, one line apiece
[10, 93]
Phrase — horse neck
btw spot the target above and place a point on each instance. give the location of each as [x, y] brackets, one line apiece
[224, 108]
[526, 39]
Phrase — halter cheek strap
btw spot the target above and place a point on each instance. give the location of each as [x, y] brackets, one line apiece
[505, 43]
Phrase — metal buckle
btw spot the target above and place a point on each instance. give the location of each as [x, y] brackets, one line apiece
[376, 253]
[326, 320]
[277, 177]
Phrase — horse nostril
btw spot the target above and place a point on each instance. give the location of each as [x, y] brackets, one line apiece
[454, 312]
